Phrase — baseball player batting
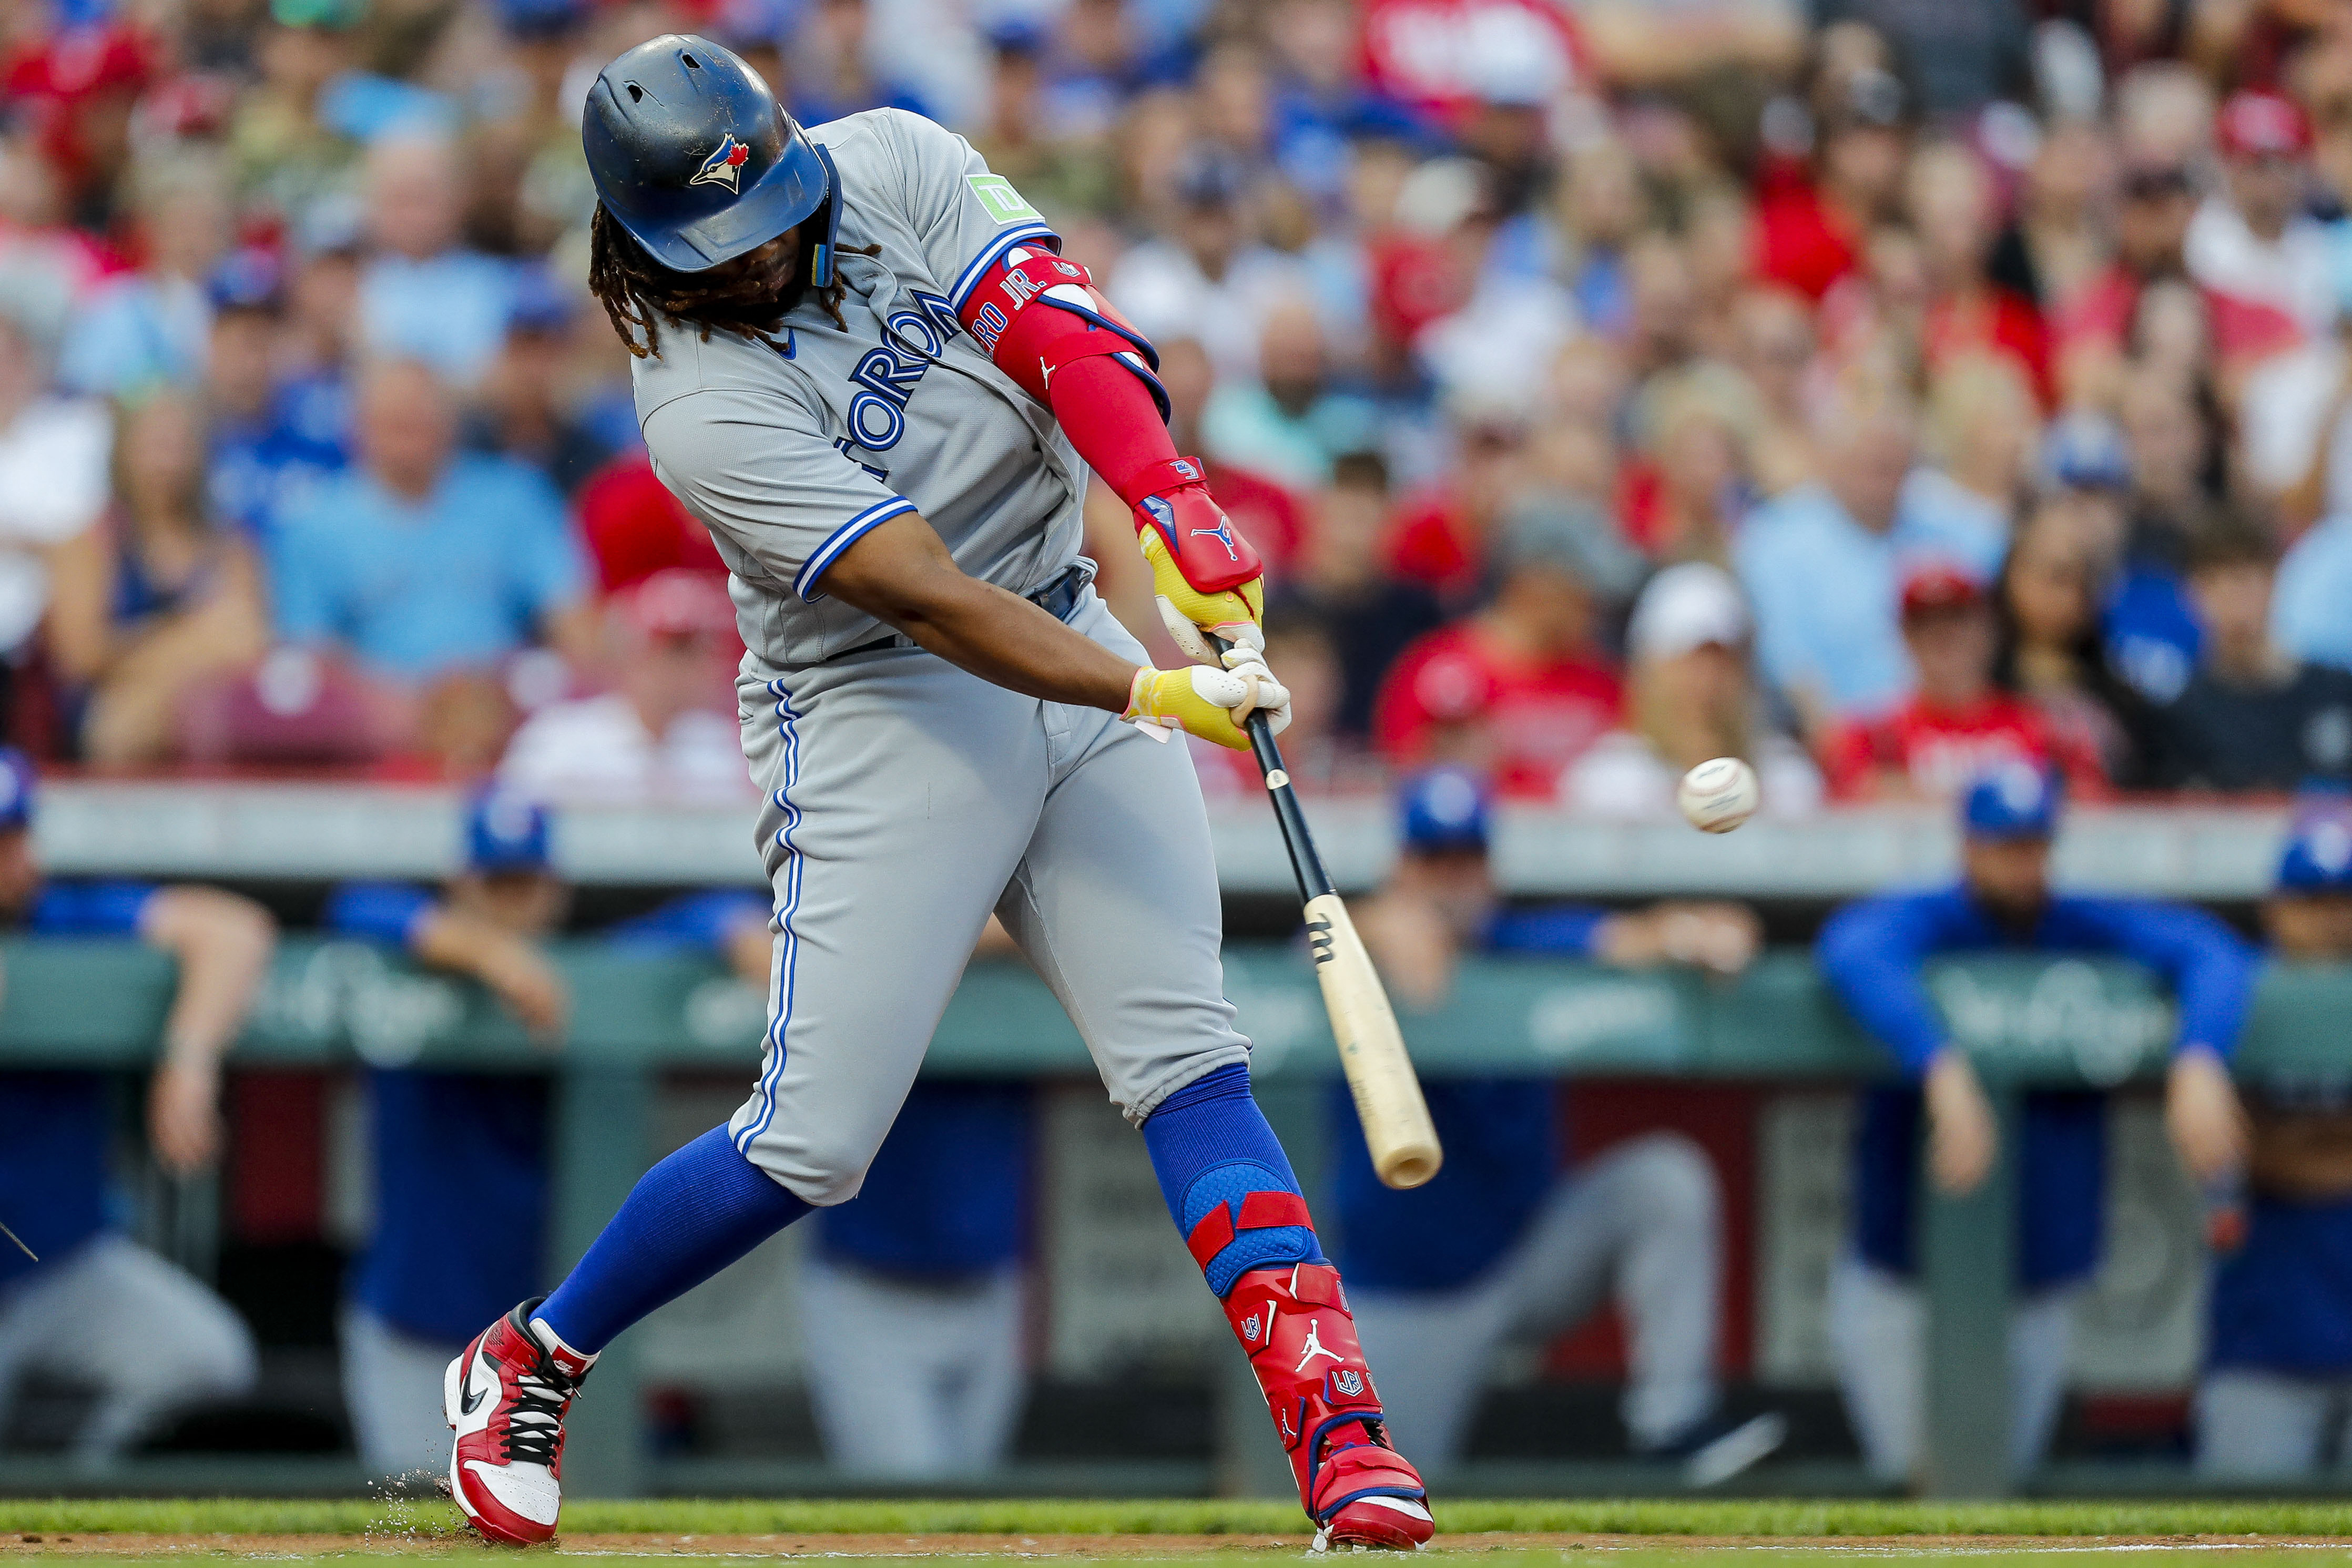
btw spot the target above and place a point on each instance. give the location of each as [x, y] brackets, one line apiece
[861, 361]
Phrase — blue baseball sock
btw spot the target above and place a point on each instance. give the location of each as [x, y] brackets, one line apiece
[685, 1220]
[1211, 1149]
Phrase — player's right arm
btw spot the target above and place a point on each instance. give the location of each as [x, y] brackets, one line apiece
[514, 970]
[223, 943]
[440, 937]
[900, 573]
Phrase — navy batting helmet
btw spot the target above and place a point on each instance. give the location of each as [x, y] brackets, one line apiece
[693, 156]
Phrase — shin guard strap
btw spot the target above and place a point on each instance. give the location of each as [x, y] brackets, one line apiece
[1259, 1211]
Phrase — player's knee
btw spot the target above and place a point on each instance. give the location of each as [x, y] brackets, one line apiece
[1675, 1183]
[172, 1335]
[216, 1355]
[831, 1168]
[205, 1354]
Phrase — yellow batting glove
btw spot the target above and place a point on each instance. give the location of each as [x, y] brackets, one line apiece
[1237, 615]
[1211, 703]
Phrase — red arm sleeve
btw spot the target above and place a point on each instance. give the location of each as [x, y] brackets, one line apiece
[1041, 320]
[1041, 323]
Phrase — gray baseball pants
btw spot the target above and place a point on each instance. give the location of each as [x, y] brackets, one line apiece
[147, 1336]
[2253, 1425]
[1877, 1328]
[1643, 1219]
[391, 1391]
[905, 801]
[912, 1382]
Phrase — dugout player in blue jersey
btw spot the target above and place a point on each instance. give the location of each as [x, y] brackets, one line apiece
[452, 1146]
[911, 1295]
[1502, 1246]
[1873, 953]
[2279, 1362]
[926, 1240]
[170, 1344]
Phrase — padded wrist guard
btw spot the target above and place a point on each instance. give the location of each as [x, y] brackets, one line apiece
[1173, 498]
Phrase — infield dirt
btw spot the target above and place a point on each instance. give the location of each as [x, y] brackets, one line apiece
[1496, 1549]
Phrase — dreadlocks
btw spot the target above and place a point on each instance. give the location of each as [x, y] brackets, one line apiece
[637, 291]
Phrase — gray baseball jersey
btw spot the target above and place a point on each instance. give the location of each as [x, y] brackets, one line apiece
[906, 799]
[791, 455]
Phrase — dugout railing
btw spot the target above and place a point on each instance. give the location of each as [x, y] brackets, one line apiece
[313, 833]
[99, 1003]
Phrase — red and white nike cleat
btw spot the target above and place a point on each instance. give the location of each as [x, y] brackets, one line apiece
[1294, 1322]
[505, 1399]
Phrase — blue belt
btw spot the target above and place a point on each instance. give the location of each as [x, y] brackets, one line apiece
[1058, 598]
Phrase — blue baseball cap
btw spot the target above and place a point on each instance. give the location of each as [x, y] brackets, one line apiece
[247, 279]
[19, 785]
[2015, 800]
[2085, 451]
[539, 303]
[541, 18]
[2319, 858]
[1442, 809]
[506, 832]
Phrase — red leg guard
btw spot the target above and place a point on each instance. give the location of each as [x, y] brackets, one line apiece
[1295, 1324]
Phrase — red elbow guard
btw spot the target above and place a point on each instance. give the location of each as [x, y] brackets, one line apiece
[1037, 314]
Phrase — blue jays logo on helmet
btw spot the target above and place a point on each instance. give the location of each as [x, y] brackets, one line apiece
[724, 167]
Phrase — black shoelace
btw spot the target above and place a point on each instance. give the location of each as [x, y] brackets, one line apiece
[535, 1426]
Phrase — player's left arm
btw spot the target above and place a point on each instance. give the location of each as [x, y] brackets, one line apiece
[2211, 971]
[223, 943]
[1040, 317]
[1720, 938]
[1060, 340]
[900, 573]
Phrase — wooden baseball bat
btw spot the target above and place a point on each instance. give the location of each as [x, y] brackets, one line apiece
[1388, 1103]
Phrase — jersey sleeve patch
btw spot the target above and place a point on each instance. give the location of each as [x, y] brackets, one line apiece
[1001, 201]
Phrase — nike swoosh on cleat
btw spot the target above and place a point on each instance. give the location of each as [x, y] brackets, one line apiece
[470, 1400]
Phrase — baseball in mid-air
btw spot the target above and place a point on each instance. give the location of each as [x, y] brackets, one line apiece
[1720, 794]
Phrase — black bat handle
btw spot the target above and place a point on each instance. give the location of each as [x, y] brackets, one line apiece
[1304, 863]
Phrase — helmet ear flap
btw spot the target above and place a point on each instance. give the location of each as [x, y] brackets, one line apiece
[821, 256]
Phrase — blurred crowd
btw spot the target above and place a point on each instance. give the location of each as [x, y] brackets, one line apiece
[1879, 393]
